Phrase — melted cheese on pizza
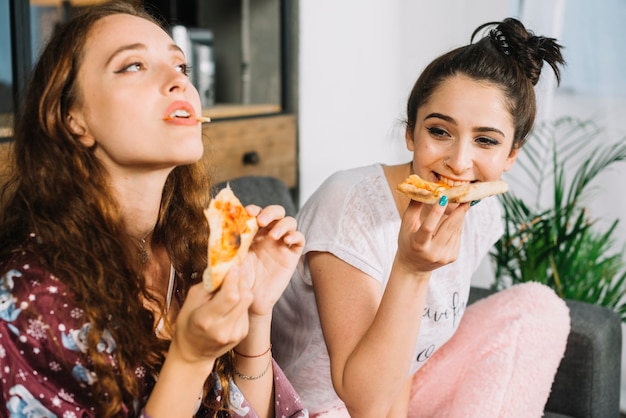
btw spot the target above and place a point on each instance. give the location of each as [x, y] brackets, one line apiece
[234, 224]
[419, 182]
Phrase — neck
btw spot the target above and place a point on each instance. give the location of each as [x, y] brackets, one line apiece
[141, 233]
[139, 194]
[139, 198]
[395, 174]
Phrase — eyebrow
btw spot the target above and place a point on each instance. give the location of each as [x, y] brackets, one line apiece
[451, 120]
[138, 46]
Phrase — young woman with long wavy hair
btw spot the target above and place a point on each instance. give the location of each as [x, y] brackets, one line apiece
[103, 243]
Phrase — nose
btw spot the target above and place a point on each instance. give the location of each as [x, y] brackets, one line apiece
[175, 80]
[459, 159]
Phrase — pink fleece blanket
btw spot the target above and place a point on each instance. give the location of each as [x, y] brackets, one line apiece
[500, 363]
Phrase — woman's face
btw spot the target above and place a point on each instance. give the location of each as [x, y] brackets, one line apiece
[131, 78]
[463, 133]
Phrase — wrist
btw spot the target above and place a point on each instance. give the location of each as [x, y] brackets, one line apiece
[256, 320]
[255, 366]
[252, 360]
[408, 270]
[267, 351]
[182, 358]
[178, 386]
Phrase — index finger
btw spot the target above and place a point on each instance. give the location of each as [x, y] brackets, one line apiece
[454, 221]
[434, 213]
[269, 214]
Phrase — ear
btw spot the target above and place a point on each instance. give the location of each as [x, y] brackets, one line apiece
[510, 160]
[408, 137]
[78, 126]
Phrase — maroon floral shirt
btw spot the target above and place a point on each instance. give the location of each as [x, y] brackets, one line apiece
[44, 368]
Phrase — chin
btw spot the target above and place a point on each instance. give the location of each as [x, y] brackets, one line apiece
[189, 159]
[190, 149]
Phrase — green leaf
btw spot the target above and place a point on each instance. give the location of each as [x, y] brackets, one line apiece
[555, 242]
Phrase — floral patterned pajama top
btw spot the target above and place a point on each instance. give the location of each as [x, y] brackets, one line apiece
[44, 371]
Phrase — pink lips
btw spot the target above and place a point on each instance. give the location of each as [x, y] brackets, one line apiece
[180, 105]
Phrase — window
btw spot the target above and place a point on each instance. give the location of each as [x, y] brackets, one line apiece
[6, 76]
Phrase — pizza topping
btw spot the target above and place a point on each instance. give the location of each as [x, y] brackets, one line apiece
[234, 223]
[420, 183]
[231, 232]
[429, 192]
[417, 181]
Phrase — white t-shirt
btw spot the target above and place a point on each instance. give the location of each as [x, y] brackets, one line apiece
[353, 216]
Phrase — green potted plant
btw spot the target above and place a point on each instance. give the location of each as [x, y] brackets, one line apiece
[550, 238]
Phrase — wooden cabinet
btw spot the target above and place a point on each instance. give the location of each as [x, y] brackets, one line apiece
[256, 146]
[254, 124]
[264, 146]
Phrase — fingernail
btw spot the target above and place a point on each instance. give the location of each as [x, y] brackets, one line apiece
[443, 200]
[474, 202]
[277, 233]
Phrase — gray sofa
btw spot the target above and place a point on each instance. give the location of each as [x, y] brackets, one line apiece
[587, 384]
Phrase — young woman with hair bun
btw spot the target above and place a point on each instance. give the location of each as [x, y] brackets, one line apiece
[375, 322]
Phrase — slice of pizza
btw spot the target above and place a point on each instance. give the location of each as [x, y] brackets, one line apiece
[231, 231]
[430, 192]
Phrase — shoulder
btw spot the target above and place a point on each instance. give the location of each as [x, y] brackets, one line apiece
[33, 301]
[353, 215]
[23, 274]
[358, 196]
[347, 186]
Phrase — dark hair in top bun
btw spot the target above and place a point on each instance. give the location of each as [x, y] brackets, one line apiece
[508, 56]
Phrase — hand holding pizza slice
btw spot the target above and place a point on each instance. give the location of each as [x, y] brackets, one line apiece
[231, 231]
[429, 192]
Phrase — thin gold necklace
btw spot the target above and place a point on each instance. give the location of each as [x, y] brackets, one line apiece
[143, 251]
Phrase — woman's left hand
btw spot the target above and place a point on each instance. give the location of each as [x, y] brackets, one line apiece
[274, 254]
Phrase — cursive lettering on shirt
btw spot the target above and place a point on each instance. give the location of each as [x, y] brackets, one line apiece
[453, 311]
[426, 353]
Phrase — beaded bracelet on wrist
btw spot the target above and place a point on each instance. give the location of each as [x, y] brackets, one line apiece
[246, 377]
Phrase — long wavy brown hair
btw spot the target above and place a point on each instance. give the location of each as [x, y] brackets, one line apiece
[59, 190]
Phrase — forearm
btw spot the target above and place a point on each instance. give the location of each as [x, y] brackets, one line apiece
[253, 367]
[386, 349]
[178, 387]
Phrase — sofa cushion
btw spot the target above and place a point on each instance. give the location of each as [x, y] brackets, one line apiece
[587, 383]
[261, 191]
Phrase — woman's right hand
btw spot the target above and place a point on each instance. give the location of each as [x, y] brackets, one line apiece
[429, 237]
[207, 326]
[210, 324]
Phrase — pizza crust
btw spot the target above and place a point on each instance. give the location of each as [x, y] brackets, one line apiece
[428, 192]
[231, 232]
